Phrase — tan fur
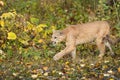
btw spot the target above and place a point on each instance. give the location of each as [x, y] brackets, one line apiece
[79, 34]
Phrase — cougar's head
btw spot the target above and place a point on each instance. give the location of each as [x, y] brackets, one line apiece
[57, 36]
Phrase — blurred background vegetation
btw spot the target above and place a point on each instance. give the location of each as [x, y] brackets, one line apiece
[27, 24]
[25, 47]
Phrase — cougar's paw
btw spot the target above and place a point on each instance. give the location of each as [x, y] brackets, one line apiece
[113, 55]
[100, 56]
[56, 57]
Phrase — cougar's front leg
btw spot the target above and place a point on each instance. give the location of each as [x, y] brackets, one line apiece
[73, 54]
[70, 46]
[67, 50]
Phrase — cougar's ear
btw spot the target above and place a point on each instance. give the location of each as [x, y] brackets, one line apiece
[58, 31]
[67, 25]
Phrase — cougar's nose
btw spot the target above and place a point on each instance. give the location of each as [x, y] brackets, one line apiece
[54, 43]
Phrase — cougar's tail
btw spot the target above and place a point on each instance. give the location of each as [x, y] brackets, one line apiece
[110, 40]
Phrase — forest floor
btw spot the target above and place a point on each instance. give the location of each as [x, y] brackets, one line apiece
[84, 68]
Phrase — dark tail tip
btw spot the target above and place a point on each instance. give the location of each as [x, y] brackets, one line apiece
[118, 40]
[107, 39]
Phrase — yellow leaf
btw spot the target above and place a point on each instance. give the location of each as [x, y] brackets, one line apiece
[12, 36]
[3, 46]
[45, 68]
[53, 71]
[39, 29]
[29, 63]
[44, 46]
[25, 42]
[45, 35]
[35, 71]
[2, 23]
[111, 79]
[36, 57]
[9, 15]
[42, 25]
[67, 63]
[53, 27]
[40, 41]
[105, 66]
[29, 26]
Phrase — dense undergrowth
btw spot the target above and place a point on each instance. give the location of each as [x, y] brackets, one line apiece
[25, 47]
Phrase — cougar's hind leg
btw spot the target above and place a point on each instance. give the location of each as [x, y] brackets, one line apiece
[101, 47]
[109, 46]
[106, 41]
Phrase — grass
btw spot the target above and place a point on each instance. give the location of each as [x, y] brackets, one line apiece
[45, 68]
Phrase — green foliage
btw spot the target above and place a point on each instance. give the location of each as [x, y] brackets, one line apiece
[30, 23]
[16, 30]
[117, 26]
[25, 32]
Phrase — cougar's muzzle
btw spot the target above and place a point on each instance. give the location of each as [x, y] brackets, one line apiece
[54, 43]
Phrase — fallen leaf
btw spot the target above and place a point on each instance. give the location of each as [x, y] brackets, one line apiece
[53, 71]
[92, 64]
[106, 61]
[46, 74]
[1, 72]
[1, 52]
[110, 71]
[34, 76]
[45, 68]
[97, 65]
[1, 60]
[61, 73]
[2, 23]
[104, 67]
[119, 69]
[29, 63]
[101, 76]
[67, 63]
[15, 74]
[34, 71]
[12, 36]
[82, 65]
[111, 79]
[40, 41]
[106, 74]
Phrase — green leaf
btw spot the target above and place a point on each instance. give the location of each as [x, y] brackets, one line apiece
[34, 20]
[23, 41]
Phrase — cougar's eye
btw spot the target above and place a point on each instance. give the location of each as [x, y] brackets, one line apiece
[55, 37]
